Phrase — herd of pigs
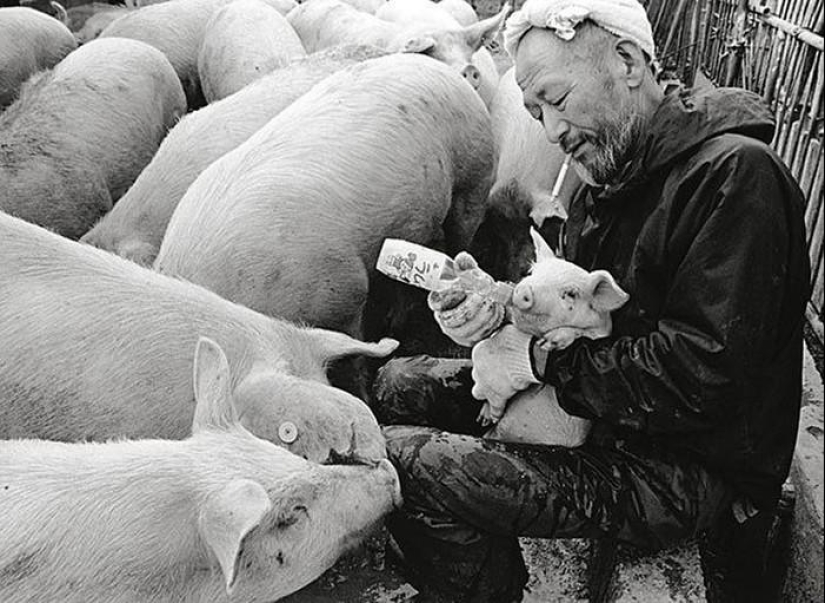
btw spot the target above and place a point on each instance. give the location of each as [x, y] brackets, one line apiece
[193, 194]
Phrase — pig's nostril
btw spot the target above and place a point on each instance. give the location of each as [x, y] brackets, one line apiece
[472, 75]
[523, 298]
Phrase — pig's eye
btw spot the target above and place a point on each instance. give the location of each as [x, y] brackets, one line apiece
[570, 294]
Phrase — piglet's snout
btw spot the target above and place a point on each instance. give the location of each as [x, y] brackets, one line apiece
[523, 296]
[472, 75]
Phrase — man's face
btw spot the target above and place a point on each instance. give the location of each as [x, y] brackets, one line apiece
[582, 102]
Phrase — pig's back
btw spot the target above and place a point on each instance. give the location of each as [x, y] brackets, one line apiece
[86, 333]
[374, 151]
[326, 23]
[29, 41]
[135, 226]
[244, 41]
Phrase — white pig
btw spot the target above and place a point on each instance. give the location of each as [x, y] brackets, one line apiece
[290, 223]
[418, 27]
[460, 10]
[431, 29]
[220, 516]
[326, 23]
[29, 42]
[79, 135]
[135, 226]
[176, 29]
[95, 347]
[244, 41]
[559, 302]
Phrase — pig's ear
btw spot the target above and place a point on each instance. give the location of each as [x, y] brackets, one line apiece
[225, 519]
[484, 31]
[418, 44]
[606, 295]
[543, 250]
[213, 400]
[332, 345]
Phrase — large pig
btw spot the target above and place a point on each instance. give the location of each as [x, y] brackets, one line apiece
[176, 29]
[135, 226]
[96, 347]
[244, 41]
[559, 302]
[79, 135]
[421, 28]
[528, 165]
[220, 516]
[29, 42]
[290, 223]
[431, 29]
[326, 23]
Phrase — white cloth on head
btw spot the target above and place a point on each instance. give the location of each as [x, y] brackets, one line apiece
[623, 18]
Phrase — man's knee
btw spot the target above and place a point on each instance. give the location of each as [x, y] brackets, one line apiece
[405, 444]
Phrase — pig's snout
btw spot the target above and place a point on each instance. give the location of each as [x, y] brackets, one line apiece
[523, 296]
[472, 75]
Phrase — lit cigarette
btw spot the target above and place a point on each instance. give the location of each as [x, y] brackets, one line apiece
[560, 178]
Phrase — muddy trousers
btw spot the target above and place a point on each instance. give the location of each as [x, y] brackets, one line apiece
[467, 499]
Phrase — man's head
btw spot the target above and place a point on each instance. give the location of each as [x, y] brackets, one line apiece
[594, 90]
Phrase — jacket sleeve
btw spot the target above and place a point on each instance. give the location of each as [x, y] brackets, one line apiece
[715, 254]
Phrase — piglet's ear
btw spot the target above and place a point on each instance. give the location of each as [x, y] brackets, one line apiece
[606, 295]
[213, 400]
[227, 517]
[543, 250]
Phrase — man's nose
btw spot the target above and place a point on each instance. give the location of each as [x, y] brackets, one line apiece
[554, 126]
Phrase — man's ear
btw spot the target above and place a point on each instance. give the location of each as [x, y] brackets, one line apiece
[227, 517]
[633, 60]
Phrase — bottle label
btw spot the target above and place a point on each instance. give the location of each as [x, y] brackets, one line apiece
[413, 264]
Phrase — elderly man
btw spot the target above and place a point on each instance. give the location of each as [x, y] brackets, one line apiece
[695, 396]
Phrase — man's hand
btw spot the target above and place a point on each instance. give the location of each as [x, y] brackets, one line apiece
[465, 318]
[501, 368]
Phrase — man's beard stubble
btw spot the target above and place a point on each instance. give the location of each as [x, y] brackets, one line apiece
[614, 145]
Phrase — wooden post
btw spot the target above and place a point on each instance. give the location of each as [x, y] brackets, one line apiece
[737, 43]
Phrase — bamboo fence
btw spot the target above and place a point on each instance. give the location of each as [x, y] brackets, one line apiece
[774, 48]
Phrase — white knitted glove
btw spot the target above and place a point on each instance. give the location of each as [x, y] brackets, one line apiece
[465, 318]
[501, 368]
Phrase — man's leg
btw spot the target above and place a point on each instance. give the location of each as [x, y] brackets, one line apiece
[428, 391]
[468, 499]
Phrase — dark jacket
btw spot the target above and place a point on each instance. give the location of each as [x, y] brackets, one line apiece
[707, 236]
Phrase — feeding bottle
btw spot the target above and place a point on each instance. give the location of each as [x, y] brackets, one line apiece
[436, 271]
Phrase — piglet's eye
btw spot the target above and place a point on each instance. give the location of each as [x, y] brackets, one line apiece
[570, 294]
